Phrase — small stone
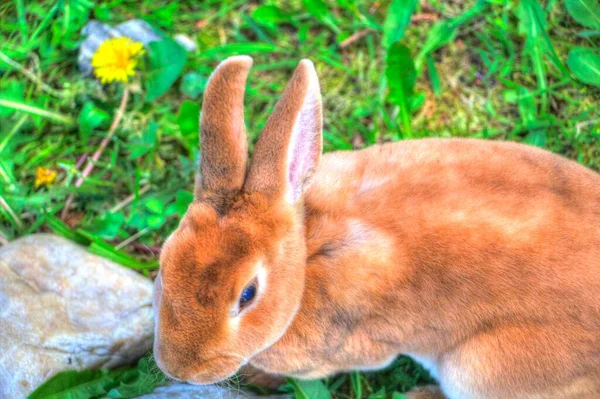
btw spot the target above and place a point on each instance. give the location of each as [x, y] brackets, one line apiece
[62, 307]
[186, 42]
[185, 391]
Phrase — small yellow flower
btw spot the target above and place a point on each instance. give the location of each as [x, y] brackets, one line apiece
[44, 177]
[116, 59]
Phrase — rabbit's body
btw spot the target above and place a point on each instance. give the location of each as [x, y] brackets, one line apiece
[462, 243]
[479, 259]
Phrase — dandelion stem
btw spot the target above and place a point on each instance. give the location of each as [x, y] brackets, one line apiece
[92, 161]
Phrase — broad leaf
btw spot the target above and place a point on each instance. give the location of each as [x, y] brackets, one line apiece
[396, 21]
[90, 118]
[11, 90]
[166, 61]
[537, 138]
[183, 200]
[309, 389]
[585, 65]
[141, 145]
[270, 16]
[109, 225]
[189, 119]
[532, 24]
[75, 385]
[586, 12]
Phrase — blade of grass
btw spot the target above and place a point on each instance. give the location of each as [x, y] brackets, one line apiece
[436, 85]
[16, 220]
[356, 384]
[22, 21]
[396, 20]
[33, 110]
[13, 131]
[445, 31]
[45, 22]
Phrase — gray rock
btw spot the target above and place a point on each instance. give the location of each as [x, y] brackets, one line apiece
[62, 307]
[185, 391]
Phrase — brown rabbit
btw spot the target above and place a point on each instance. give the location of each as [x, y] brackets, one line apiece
[479, 259]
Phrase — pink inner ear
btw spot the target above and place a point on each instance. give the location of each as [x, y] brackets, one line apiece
[304, 147]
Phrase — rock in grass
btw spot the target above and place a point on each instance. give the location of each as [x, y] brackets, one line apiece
[62, 307]
[185, 391]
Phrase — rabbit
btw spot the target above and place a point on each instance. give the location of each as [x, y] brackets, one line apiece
[479, 259]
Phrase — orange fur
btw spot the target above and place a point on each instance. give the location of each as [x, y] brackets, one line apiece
[480, 259]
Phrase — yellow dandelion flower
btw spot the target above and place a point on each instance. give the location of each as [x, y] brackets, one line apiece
[116, 59]
[44, 177]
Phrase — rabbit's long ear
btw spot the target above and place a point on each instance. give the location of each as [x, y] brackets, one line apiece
[223, 143]
[290, 145]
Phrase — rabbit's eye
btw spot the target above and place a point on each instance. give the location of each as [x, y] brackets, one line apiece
[248, 295]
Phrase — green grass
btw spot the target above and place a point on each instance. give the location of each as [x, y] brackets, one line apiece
[495, 70]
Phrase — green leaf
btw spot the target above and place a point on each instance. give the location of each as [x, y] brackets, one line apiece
[183, 200]
[586, 12]
[445, 31]
[90, 118]
[141, 145]
[140, 381]
[189, 119]
[269, 16]
[101, 248]
[119, 383]
[398, 395]
[192, 84]
[309, 389]
[154, 205]
[320, 10]
[109, 225]
[166, 59]
[585, 65]
[537, 138]
[155, 221]
[75, 385]
[401, 76]
[434, 78]
[532, 24]
[12, 90]
[396, 20]
[60, 228]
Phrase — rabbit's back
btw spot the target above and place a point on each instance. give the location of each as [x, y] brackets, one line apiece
[465, 231]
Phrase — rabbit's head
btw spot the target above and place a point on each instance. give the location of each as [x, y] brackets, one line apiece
[232, 275]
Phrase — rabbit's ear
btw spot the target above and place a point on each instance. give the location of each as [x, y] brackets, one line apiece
[224, 156]
[290, 145]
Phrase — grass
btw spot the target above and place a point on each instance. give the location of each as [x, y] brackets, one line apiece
[491, 69]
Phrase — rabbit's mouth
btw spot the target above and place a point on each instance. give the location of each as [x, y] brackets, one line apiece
[212, 370]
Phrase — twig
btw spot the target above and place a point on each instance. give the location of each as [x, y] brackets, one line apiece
[80, 161]
[425, 16]
[11, 212]
[91, 162]
[31, 76]
[356, 36]
[128, 199]
[132, 238]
